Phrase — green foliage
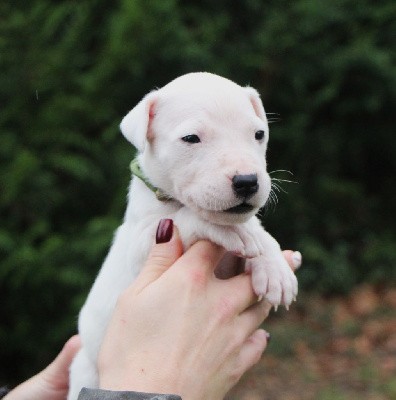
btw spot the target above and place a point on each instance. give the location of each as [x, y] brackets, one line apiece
[71, 69]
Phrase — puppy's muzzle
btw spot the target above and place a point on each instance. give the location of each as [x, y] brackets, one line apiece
[245, 186]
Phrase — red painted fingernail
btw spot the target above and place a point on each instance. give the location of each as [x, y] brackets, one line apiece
[164, 231]
[268, 337]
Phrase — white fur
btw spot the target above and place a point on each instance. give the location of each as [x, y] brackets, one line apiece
[198, 177]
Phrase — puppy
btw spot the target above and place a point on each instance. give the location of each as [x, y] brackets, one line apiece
[201, 144]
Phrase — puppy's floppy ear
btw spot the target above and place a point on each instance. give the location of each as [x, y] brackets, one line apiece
[257, 104]
[135, 125]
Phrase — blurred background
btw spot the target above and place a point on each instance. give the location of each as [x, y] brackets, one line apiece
[70, 70]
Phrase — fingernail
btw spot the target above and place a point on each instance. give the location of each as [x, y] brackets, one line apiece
[164, 231]
[297, 259]
[268, 335]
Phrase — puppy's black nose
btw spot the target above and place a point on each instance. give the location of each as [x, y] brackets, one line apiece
[245, 185]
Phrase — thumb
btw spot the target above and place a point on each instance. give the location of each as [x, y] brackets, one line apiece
[57, 373]
[53, 381]
[163, 254]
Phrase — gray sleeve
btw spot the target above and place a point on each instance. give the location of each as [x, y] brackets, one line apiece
[99, 394]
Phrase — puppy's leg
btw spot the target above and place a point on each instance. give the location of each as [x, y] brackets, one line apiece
[82, 374]
[272, 276]
[238, 239]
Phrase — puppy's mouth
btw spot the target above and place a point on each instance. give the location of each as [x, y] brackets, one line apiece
[240, 209]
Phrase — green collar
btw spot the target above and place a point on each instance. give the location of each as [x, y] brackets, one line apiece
[137, 171]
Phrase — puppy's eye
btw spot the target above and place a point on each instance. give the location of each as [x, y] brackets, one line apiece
[191, 139]
[259, 135]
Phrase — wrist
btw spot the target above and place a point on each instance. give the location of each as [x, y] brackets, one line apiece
[151, 384]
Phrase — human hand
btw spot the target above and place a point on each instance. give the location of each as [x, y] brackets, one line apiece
[53, 382]
[181, 330]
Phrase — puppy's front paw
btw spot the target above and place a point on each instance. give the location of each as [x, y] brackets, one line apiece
[235, 240]
[245, 240]
[251, 241]
[273, 279]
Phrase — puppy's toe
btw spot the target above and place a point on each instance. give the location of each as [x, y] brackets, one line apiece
[251, 248]
[273, 279]
[274, 292]
[250, 243]
[289, 293]
[289, 287]
[260, 282]
[251, 252]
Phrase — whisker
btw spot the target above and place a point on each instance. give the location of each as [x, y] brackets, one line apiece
[276, 182]
[275, 198]
[278, 188]
[273, 117]
[280, 170]
[283, 180]
[271, 203]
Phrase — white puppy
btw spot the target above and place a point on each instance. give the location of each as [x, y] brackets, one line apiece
[201, 144]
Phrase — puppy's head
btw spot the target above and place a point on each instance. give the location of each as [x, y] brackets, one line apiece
[202, 140]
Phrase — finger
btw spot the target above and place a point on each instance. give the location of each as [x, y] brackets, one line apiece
[252, 350]
[204, 256]
[162, 255]
[294, 258]
[239, 290]
[58, 370]
[53, 379]
[254, 316]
